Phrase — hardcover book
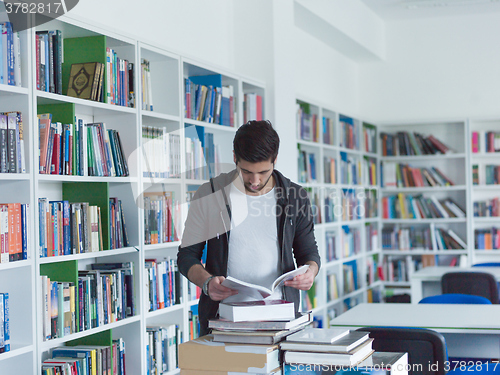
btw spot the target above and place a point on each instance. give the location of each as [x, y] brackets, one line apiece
[261, 325]
[83, 80]
[257, 310]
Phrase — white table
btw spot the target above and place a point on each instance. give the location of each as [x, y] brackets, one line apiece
[471, 331]
[427, 281]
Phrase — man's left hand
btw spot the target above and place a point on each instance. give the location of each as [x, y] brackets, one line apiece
[306, 280]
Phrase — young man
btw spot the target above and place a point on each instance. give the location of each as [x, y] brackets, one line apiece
[254, 222]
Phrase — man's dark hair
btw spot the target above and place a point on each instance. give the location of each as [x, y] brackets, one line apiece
[256, 141]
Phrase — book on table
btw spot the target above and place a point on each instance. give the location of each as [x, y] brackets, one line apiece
[352, 358]
[259, 292]
[257, 310]
[261, 325]
[254, 337]
[343, 345]
[319, 335]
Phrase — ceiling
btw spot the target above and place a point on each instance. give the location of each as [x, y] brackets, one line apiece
[412, 9]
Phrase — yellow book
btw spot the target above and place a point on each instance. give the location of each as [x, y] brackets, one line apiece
[401, 198]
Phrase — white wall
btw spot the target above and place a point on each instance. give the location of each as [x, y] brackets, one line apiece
[195, 28]
[436, 68]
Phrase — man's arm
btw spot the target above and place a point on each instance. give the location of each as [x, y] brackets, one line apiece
[217, 292]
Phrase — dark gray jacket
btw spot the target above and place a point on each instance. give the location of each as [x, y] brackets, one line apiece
[209, 220]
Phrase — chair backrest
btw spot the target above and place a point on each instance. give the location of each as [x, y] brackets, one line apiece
[475, 283]
[457, 298]
[487, 264]
[426, 348]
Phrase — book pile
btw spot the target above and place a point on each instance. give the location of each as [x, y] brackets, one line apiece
[12, 158]
[162, 345]
[163, 283]
[102, 295]
[75, 228]
[87, 359]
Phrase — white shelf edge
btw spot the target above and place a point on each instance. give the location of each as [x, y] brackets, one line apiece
[166, 310]
[46, 345]
[68, 178]
[158, 181]
[424, 221]
[460, 155]
[14, 265]
[160, 116]
[98, 254]
[14, 176]
[207, 125]
[163, 245]
[423, 189]
[16, 352]
[13, 89]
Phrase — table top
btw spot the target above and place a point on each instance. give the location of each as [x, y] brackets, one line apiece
[435, 273]
[443, 318]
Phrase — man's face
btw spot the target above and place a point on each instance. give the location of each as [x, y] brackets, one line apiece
[255, 176]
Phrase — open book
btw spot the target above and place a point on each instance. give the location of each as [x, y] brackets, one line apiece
[258, 291]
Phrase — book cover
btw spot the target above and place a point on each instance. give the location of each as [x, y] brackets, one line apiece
[319, 335]
[257, 310]
[82, 80]
[342, 345]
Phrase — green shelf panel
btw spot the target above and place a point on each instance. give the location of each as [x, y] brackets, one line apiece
[61, 271]
[97, 194]
[83, 50]
[64, 112]
[104, 338]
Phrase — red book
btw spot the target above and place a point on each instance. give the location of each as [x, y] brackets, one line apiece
[18, 231]
[231, 111]
[56, 153]
[438, 144]
[12, 238]
[259, 108]
[70, 156]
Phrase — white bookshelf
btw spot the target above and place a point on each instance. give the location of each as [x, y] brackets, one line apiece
[21, 279]
[331, 305]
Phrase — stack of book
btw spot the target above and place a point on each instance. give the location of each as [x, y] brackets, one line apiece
[331, 346]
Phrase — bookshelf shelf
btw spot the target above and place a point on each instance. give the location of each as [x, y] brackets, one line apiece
[16, 351]
[159, 116]
[486, 187]
[15, 265]
[423, 157]
[195, 182]
[46, 345]
[7, 90]
[159, 246]
[214, 127]
[431, 189]
[353, 293]
[193, 302]
[312, 144]
[14, 177]
[100, 254]
[166, 310]
[48, 178]
[424, 221]
[159, 181]
[486, 220]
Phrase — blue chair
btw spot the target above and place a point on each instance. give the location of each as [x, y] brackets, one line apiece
[487, 264]
[475, 283]
[424, 347]
[456, 298]
[485, 368]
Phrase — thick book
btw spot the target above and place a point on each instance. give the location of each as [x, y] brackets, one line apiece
[342, 345]
[258, 291]
[254, 337]
[352, 358]
[319, 335]
[83, 80]
[257, 310]
[261, 325]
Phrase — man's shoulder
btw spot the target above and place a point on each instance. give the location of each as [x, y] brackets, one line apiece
[216, 183]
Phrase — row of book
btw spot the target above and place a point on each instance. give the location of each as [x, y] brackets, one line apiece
[147, 87]
[328, 131]
[403, 175]
[75, 228]
[407, 143]
[371, 237]
[371, 204]
[371, 271]
[309, 299]
[425, 238]
[14, 232]
[330, 246]
[350, 241]
[352, 207]
[369, 171]
[162, 347]
[399, 269]
[348, 133]
[350, 276]
[308, 126]
[202, 158]
[485, 174]
[193, 292]
[370, 138]
[87, 359]
[315, 205]
[487, 239]
[103, 295]
[207, 99]
[193, 322]
[49, 60]
[404, 206]
[80, 149]
[252, 107]
[10, 55]
[160, 153]
[332, 289]
[350, 169]
[4, 323]
[161, 217]
[487, 208]
[329, 167]
[331, 211]
[163, 283]
[12, 157]
[485, 141]
[307, 167]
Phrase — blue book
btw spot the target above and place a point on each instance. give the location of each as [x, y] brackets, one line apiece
[3, 51]
[70, 352]
[10, 54]
[24, 229]
[6, 321]
[214, 80]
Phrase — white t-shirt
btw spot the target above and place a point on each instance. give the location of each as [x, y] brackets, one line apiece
[253, 241]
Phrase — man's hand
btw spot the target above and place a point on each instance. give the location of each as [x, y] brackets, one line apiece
[306, 280]
[218, 292]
